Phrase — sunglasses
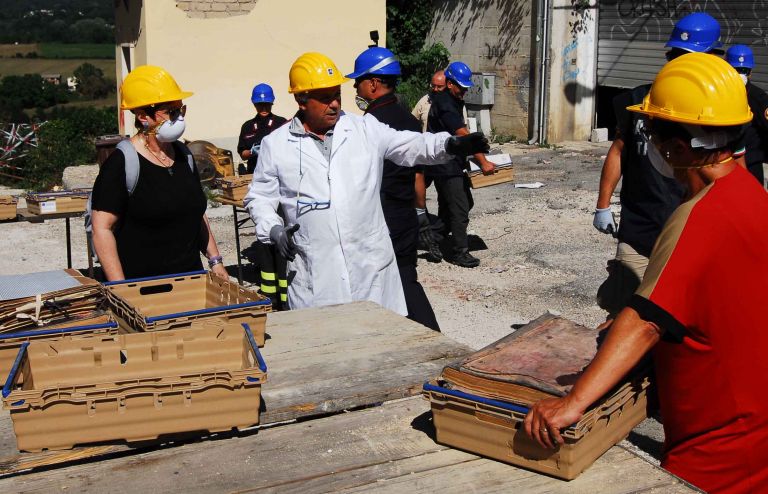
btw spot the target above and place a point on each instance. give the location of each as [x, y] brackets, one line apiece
[173, 113]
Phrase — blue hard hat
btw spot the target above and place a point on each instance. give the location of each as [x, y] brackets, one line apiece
[262, 93]
[740, 56]
[697, 32]
[375, 61]
[460, 73]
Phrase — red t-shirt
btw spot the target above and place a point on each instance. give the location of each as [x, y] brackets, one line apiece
[706, 287]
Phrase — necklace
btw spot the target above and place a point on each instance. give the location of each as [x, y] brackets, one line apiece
[163, 161]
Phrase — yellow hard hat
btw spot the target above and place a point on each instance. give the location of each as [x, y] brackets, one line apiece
[313, 71]
[149, 85]
[699, 89]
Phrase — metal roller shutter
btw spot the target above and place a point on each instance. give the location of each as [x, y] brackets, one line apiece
[632, 33]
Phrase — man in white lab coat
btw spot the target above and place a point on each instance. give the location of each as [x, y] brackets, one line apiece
[324, 168]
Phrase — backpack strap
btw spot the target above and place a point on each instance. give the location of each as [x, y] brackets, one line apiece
[190, 159]
[131, 164]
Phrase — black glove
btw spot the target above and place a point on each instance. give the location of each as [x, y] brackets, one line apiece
[282, 237]
[469, 144]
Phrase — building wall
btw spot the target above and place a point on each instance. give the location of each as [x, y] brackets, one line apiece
[220, 49]
[492, 36]
[572, 80]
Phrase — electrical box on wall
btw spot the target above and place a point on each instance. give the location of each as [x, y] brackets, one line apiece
[482, 91]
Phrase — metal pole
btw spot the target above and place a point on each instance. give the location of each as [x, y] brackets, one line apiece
[69, 245]
[237, 246]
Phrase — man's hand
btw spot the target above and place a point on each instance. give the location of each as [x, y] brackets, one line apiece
[487, 167]
[604, 221]
[547, 417]
[467, 144]
[282, 237]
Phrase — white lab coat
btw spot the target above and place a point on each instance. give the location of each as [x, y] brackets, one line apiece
[344, 250]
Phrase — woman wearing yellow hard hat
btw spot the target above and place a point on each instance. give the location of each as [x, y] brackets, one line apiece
[700, 306]
[148, 206]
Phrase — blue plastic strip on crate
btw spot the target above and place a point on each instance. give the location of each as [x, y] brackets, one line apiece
[15, 370]
[259, 358]
[206, 311]
[43, 332]
[152, 278]
[480, 399]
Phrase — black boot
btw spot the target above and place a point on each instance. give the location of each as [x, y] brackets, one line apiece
[427, 242]
[464, 259]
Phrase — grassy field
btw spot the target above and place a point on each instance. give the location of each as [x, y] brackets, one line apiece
[76, 51]
[65, 67]
[12, 50]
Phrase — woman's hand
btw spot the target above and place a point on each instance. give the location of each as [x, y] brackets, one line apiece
[547, 417]
[220, 271]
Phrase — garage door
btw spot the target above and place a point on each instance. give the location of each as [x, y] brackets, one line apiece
[632, 33]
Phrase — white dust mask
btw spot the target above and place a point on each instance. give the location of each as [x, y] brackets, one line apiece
[170, 131]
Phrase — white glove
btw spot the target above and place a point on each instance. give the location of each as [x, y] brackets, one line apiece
[604, 221]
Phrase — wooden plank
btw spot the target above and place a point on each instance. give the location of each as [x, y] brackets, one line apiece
[386, 449]
[501, 175]
[320, 361]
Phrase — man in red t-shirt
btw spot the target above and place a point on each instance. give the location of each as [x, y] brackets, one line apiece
[700, 305]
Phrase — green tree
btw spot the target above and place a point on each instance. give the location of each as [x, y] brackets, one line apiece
[408, 23]
[91, 82]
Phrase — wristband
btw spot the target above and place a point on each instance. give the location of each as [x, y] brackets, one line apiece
[214, 261]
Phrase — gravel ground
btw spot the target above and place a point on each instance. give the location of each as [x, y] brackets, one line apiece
[542, 254]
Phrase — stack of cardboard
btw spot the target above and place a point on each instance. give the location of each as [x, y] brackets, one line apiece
[479, 404]
[8, 207]
[49, 298]
[234, 188]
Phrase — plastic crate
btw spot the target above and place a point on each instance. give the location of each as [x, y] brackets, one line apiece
[8, 207]
[234, 188]
[167, 302]
[11, 342]
[66, 201]
[493, 429]
[134, 387]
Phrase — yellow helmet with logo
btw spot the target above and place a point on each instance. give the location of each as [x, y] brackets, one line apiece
[698, 89]
[313, 71]
[149, 85]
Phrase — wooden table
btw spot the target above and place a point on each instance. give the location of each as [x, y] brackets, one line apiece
[323, 361]
[237, 208]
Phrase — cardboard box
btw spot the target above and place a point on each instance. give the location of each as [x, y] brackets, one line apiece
[159, 303]
[67, 201]
[234, 188]
[494, 429]
[504, 171]
[8, 207]
[133, 387]
[11, 342]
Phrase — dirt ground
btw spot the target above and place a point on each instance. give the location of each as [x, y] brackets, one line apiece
[542, 252]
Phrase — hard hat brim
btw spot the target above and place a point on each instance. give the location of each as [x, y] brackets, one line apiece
[691, 47]
[654, 113]
[300, 90]
[180, 96]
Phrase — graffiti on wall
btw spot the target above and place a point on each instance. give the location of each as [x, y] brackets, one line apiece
[570, 70]
[652, 20]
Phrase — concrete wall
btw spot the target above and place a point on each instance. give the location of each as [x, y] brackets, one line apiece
[572, 72]
[492, 36]
[221, 49]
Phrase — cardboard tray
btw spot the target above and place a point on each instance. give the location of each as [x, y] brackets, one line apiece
[133, 387]
[67, 201]
[234, 188]
[8, 207]
[493, 429]
[167, 302]
[11, 342]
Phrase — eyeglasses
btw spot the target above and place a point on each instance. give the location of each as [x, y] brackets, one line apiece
[173, 113]
[437, 87]
[304, 206]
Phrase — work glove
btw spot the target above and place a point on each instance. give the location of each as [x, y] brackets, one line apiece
[282, 237]
[469, 144]
[604, 221]
[255, 149]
